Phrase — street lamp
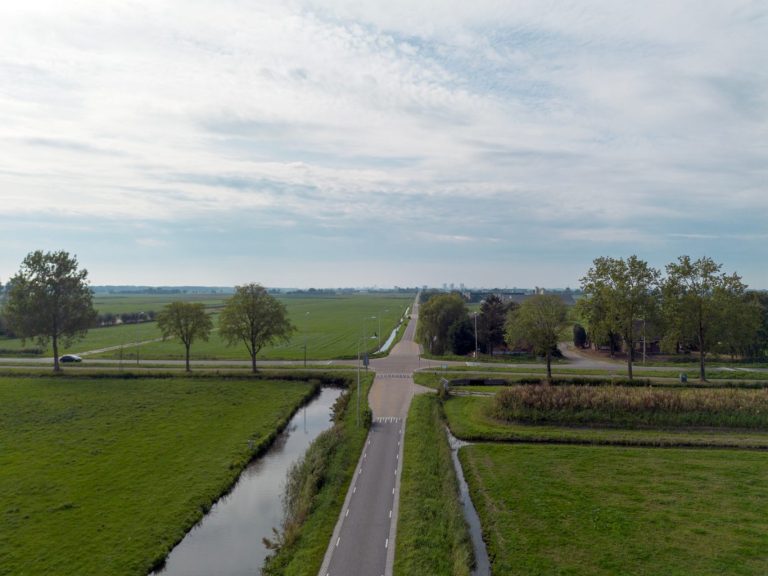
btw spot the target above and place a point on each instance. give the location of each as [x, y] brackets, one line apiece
[358, 383]
[138, 317]
[475, 315]
[305, 338]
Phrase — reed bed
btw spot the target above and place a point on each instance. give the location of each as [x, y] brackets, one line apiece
[633, 407]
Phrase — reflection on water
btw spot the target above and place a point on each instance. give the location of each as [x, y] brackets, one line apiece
[228, 541]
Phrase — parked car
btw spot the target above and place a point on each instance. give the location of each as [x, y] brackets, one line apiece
[70, 358]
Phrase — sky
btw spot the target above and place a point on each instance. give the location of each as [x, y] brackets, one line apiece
[369, 143]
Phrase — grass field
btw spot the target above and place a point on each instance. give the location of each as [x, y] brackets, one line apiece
[121, 303]
[630, 511]
[469, 419]
[331, 326]
[432, 537]
[103, 475]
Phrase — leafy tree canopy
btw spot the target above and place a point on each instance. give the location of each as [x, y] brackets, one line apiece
[49, 300]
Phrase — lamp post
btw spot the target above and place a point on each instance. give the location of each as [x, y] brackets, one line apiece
[358, 384]
[138, 316]
[305, 339]
[365, 338]
[475, 315]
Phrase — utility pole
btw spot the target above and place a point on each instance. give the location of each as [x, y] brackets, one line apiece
[358, 384]
[138, 316]
[475, 315]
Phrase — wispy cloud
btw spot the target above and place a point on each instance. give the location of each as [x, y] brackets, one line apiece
[580, 123]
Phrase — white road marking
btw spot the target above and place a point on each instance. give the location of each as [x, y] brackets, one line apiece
[347, 514]
[337, 541]
[390, 514]
[386, 544]
[354, 489]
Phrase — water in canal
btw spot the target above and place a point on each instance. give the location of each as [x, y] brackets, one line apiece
[228, 541]
[482, 562]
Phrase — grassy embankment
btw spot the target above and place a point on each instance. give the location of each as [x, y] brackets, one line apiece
[104, 475]
[321, 482]
[432, 537]
[607, 510]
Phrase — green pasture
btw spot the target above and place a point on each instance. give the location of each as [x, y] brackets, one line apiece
[104, 475]
[125, 303]
[582, 510]
[331, 326]
[96, 338]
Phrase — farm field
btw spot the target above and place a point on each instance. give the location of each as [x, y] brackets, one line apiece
[331, 325]
[122, 303]
[608, 510]
[97, 338]
[104, 475]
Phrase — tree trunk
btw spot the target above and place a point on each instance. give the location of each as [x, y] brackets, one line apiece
[549, 366]
[187, 358]
[56, 367]
[253, 362]
[702, 373]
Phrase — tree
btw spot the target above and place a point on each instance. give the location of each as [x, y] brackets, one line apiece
[538, 322]
[254, 318]
[49, 300]
[579, 336]
[490, 323]
[435, 319]
[186, 321]
[461, 336]
[698, 299]
[626, 292]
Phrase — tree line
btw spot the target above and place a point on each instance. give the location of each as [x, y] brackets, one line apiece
[49, 301]
[694, 307]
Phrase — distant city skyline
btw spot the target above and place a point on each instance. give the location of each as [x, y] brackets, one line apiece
[323, 143]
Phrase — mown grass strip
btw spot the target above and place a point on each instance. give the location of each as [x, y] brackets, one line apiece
[469, 419]
[105, 475]
[432, 537]
[303, 554]
[604, 510]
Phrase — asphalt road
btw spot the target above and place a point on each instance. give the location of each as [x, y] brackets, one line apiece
[363, 541]
[360, 544]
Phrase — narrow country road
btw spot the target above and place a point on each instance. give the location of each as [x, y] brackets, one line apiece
[363, 542]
